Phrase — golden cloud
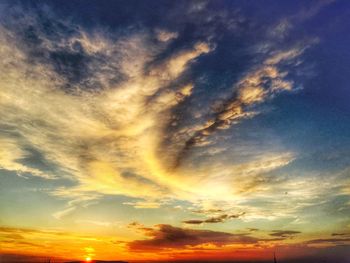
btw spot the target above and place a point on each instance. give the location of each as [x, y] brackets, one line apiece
[109, 139]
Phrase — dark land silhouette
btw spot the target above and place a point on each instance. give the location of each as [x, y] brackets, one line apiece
[98, 261]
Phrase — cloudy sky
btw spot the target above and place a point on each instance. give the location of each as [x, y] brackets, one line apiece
[175, 130]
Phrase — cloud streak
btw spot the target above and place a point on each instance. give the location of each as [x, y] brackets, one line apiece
[167, 236]
[259, 85]
[96, 107]
[101, 131]
[216, 219]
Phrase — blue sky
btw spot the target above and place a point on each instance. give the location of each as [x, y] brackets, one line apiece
[223, 122]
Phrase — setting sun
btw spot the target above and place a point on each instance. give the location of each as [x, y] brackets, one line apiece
[88, 259]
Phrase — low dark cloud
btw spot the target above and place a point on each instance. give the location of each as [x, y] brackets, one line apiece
[167, 236]
[20, 243]
[215, 219]
[340, 234]
[6, 230]
[207, 211]
[193, 221]
[284, 233]
[16, 258]
[329, 240]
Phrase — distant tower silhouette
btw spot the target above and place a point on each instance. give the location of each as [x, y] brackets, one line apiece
[274, 257]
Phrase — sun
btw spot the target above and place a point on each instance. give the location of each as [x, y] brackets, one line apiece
[88, 259]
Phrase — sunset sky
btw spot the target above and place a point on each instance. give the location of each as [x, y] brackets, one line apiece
[175, 130]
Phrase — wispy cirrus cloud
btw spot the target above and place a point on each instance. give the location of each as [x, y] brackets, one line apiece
[98, 105]
[107, 120]
[121, 134]
[257, 86]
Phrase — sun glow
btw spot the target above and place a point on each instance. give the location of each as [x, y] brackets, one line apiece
[88, 259]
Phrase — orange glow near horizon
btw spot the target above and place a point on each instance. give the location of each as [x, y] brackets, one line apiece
[61, 244]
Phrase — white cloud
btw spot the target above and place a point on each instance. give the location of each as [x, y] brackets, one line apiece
[109, 140]
[65, 212]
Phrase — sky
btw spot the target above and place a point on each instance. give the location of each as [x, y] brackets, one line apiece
[175, 130]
